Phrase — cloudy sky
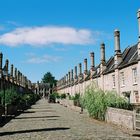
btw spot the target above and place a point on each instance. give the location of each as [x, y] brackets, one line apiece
[38, 36]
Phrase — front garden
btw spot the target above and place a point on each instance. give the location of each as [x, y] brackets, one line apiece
[95, 101]
[12, 101]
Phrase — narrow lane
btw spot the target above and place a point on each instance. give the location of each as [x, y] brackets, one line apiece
[54, 122]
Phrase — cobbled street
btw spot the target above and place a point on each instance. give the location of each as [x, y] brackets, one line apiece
[46, 121]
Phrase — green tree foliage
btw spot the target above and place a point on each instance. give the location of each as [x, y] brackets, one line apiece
[49, 78]
[96, 102]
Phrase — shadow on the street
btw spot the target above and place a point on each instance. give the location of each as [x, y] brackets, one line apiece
[5, 120]
[33, 130]
[36, 117]
[28, 112]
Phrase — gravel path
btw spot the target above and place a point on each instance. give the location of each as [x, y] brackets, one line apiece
[54, 122]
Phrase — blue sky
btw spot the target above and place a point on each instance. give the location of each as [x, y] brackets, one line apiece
[38, 36]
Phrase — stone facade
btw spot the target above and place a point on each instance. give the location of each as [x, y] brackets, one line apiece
[42, 89]
[13, 78]
[121, 73]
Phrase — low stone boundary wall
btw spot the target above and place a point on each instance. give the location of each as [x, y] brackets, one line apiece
[69, 103]
[121, 117]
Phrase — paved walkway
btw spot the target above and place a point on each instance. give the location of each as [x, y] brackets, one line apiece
[54, 122]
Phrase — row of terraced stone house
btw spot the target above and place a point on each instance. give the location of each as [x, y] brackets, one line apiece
[120, 73]
[13, 77]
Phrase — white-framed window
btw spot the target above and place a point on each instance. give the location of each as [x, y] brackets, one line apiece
[122, 78]
[134, 75]
[113, 79]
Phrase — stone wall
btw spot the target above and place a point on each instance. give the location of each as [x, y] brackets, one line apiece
[120, 117]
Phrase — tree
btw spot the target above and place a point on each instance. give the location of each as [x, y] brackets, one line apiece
[49, 78]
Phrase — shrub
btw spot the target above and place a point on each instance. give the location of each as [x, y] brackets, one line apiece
[57, 95]
[96, 102]
[11, 97]
[30, 98]
[63, 96]
[76, 99]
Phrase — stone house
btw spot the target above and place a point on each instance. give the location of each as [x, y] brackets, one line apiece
[120, 73]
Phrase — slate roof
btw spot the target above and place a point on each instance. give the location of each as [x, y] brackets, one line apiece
[129, 57]
[109, 65]
[97, 72]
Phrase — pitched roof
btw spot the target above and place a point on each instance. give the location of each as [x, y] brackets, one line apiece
[97, 72]
[129, 56]
[109, 65]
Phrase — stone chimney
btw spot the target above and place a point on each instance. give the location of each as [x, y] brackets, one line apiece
[85, 69]
[67, 80]
[80, 76]
[18, 77]
[71, 74]
[15, 75]
[118, 55]
[1, 57]
[85, 66]
[103, 62]
[138, 16]
[92, 67]
[80, 69]
[102, 53]
[117, 41]
[75, 72]
[21, 79]
[11, 73]
[7, 64]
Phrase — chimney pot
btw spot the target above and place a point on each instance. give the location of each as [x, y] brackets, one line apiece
[117, 41]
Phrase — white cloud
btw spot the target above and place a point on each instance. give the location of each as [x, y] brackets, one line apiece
[43, 59]
[47, 35]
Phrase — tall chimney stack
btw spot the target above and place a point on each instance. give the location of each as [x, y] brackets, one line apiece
[71, 74]
[80, 69]
[92, 66]
[1, 57]
[6, 64]
[138, 16]
[11, 73]
[102, 53]
[15, 75]
[67, 80]
[117, 41]
[75, 72]
[85, 66]
[118, 55]
[92, 61]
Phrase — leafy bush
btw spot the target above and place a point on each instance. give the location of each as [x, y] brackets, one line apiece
[30, 99]
[11, 97]
[53, 97]
[96, 102]
[57, 95]
[63, 96]
[14, 98]
[76, 99]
